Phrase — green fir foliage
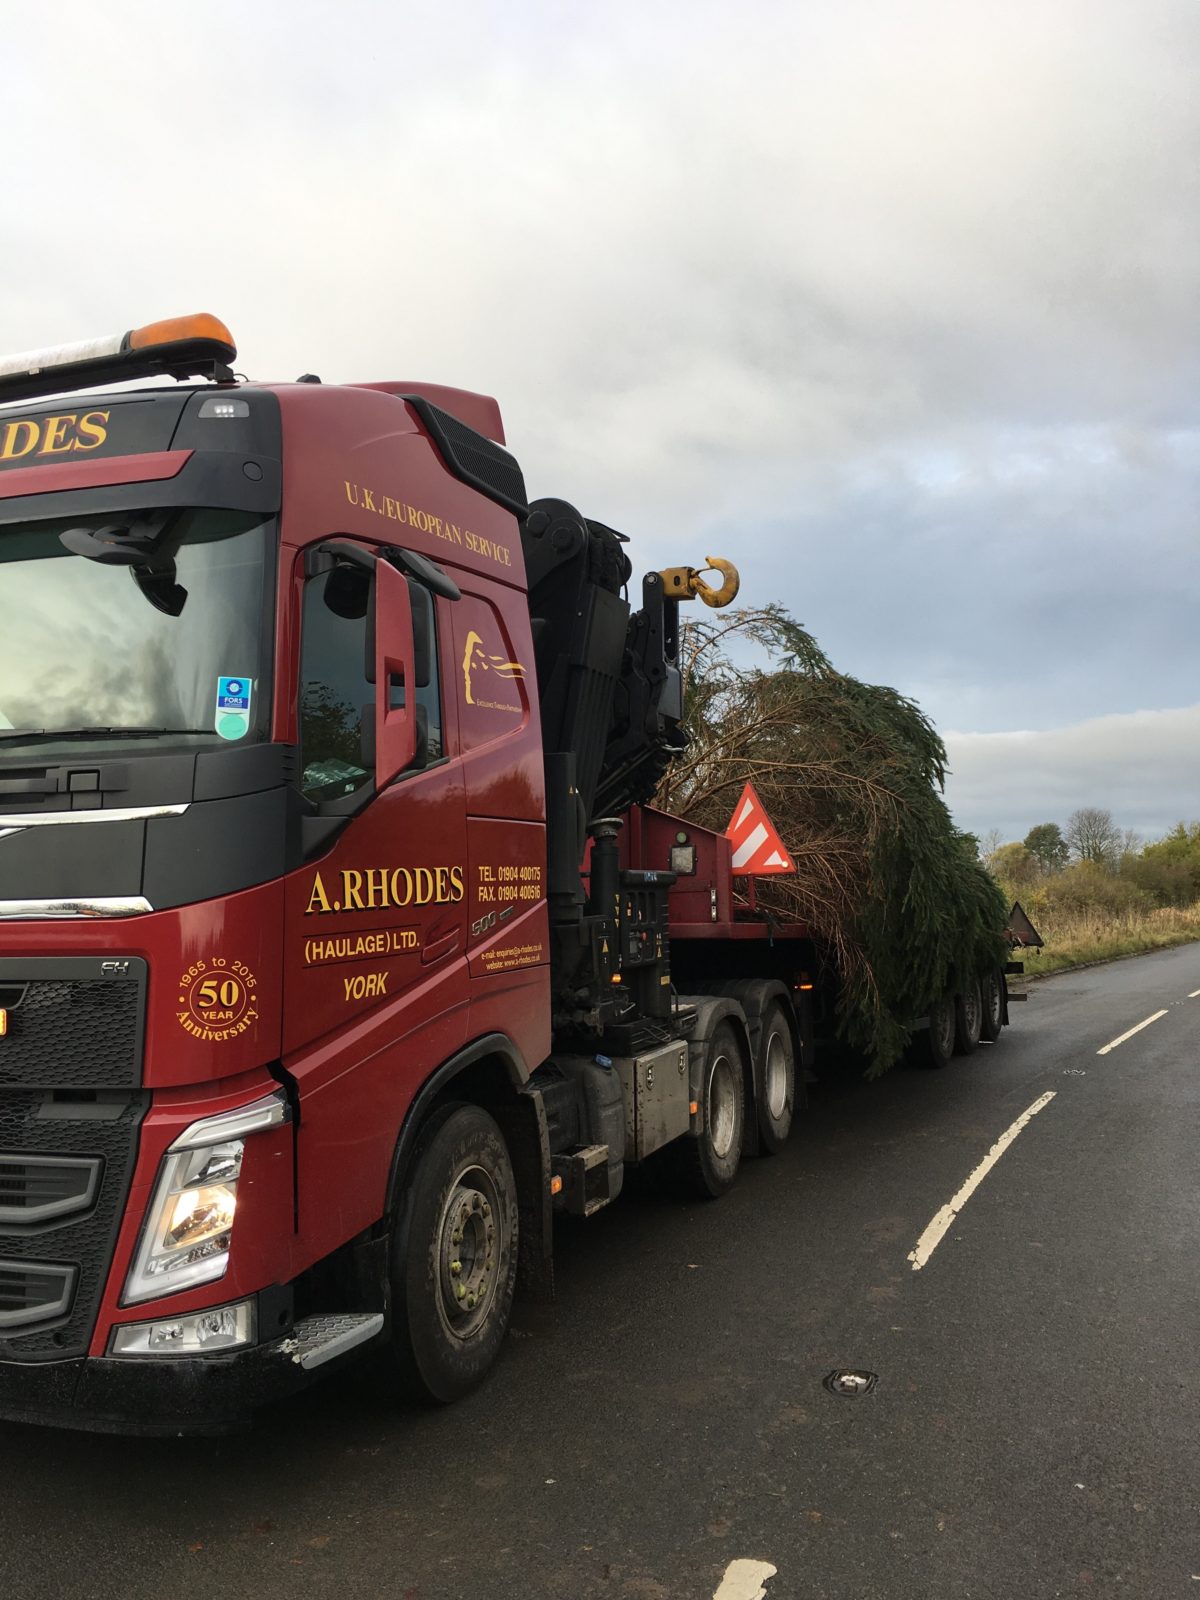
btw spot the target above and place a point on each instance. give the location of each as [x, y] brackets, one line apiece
[851, 774]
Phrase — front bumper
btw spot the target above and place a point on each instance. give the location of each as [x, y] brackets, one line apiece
[179, 1394]
[176, 1395]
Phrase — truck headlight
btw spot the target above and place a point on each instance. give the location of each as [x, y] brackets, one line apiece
[189, 1222]
[197, 1333]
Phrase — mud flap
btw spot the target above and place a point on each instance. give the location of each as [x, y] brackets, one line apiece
[523, 1123]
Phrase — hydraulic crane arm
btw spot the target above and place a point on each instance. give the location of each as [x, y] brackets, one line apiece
[611, 705]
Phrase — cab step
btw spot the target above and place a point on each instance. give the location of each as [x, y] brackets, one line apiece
[320, 1338]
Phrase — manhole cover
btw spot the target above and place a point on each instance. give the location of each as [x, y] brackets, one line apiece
[844, 1380]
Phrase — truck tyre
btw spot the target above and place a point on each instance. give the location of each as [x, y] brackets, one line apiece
[711, 1161]
[454, 1255]
[991, 992]
[938, 1043]
[777, 1081]
[968, 1018]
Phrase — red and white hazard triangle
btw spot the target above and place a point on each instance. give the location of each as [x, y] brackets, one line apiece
[758, 851]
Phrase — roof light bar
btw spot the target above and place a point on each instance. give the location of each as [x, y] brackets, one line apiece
[181, 347]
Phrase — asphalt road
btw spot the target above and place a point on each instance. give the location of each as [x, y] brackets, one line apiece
[1033, 1430]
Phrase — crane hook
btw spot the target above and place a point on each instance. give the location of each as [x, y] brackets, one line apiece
[729, 588]
[686, 583]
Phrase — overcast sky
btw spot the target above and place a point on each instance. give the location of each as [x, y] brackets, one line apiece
[894, 304]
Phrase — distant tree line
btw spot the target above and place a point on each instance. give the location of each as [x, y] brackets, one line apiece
[1094, 862]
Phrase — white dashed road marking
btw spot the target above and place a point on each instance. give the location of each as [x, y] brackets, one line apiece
[940, 1226]
[1113, 1043]
[744, 1580]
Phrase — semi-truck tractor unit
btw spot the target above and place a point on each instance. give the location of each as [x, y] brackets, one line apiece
[340, 945]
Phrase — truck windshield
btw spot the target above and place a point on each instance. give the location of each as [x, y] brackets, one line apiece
[134, 626]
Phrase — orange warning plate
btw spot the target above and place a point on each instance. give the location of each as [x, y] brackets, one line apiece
[758, 851]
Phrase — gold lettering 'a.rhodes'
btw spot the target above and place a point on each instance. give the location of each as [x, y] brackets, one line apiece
[24, 438]
[382, 888]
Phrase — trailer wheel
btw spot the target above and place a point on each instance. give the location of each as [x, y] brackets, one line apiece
[938, 1043]
[454, 1255]
[777, 1091]
[991, 991]
[711, 1161]
[968, 1018]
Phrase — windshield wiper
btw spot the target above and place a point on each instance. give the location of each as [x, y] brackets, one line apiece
[43, 735]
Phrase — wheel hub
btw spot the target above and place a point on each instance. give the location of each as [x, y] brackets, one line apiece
[992, 996]
[944, 1023]
[776, 1077]
[722, 1106]
[468, 1251]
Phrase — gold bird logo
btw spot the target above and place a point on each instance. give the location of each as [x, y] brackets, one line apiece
[476, 659]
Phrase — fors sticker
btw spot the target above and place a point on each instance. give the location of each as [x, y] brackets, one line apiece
[232, 714]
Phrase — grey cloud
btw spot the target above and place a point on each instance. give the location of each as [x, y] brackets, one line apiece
[1143, 767]
[1060, 589]
[896, 305]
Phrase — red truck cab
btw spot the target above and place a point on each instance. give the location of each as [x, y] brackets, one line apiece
[272, 842]
[338, 945]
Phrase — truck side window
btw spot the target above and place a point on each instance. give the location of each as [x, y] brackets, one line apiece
[334, 692]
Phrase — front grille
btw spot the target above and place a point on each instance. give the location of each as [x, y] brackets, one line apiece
[70, 1108]
[33, 1293]
[72, 1022]
[39, 1191]
[101, 1131]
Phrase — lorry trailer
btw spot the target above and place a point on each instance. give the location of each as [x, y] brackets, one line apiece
[341, 948]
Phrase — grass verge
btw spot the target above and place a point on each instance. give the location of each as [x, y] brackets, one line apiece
[1075, 938]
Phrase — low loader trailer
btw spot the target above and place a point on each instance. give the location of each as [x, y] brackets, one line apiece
[340, 947]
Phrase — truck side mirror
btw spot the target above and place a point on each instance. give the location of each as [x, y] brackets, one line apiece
[422, 616]
[398, 641]
[428, 579]
[394, 659]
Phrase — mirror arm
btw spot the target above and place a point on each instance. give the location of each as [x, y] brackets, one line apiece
[425, 572]
[325, 556]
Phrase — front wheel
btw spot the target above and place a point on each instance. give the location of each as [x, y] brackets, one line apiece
[454, 1255]
[711, 1161]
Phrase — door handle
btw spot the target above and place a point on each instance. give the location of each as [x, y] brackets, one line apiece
[437, 947]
